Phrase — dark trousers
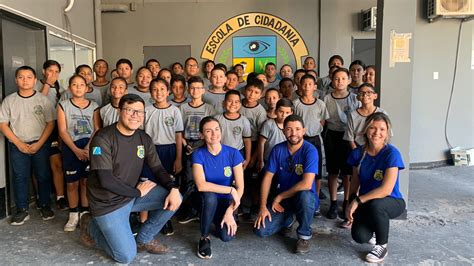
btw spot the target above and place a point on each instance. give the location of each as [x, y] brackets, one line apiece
[213, 210]
[374, 217]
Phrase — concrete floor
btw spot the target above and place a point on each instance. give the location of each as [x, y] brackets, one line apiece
[439, 230]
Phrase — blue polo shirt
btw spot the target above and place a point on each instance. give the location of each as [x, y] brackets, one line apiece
[289, 169]
[372, 168]
[218, 169]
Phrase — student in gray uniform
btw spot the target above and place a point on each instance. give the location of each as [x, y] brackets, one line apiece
[236, 131]
[356, 120]
[340, 103]
[125, 70]
[286, 71]
[26, 120]
[166, 74]
[272, 132]
[216, 94]
[287, 87]
[207, 67]
[357, 71]
[309, 63]
[324, 82]
[101, 83]
[142, 88]
[296, 79]
[239, 69]
[272, 96]
[178, 88]
[191, 67]
[50, 87]
[314, 113]
[271, 74]
[78, 120]
[177, 68]
[164, 124]
[256, 114]
[232, 80]
[154, 66]
[192, 114]
[85, 71]
[110, 113]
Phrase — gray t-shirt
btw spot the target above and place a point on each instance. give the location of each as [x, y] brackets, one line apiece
[339, 109]
[178, 104]
[109, 114]
[323, 86]
[234, 130]
[312, 115]
[162, 124]
[256, 115]
[104, 92]
[131, 86]
[192, 116]
[79, 122]
[275, 84]
[93, 95]
[215, 99]
[146, 96]
[273, 134]
[355, 125]
[27, 116]
[53, 95]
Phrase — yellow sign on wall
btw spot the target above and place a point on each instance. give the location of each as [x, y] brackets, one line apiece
[262, 20]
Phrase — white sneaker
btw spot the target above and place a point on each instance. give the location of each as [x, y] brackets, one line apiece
[378, 254]
[72, 223]
[373, 240]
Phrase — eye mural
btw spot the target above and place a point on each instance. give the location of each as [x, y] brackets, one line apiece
[255, 51]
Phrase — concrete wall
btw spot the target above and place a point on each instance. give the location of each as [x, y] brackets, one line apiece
[435, 51]
[191, 23]
[340, 24]
[51, 11]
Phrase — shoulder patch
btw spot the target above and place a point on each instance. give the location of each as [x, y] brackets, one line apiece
[96, 151]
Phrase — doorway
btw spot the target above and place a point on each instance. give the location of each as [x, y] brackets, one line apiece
[22, 42]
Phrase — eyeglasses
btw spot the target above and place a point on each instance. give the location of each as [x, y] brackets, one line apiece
[196, 88]
[130, 111]
[364, 93]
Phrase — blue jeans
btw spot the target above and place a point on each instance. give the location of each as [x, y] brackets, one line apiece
[112, 231]
[302, 206]
[213, 210]
[22, 164]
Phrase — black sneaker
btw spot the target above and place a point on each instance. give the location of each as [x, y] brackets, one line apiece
[332, 212]
[317, 213]
[20, 217]
[167, 229]
[340, 189]
[46, 213]
[204, 248]
[188, 217]
[378, 254]
[322, 195]
[302, 246]
[61, 204]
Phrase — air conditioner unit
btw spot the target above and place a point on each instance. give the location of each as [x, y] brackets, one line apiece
[369, 19]
[450, 8]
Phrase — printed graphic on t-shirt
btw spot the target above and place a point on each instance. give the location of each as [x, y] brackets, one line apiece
[169, 121]
[82, 125]
[299, 169]
[378, 175]
[192, 129]
[38, 110]
[227, 171]
[141, 151]
[237, 130]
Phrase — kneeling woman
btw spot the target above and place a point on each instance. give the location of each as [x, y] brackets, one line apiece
[218, 174]
[375, 187]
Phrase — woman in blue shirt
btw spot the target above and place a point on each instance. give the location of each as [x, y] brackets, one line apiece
[218, 174]
[375, 187]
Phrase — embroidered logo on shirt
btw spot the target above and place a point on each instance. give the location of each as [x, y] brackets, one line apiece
[299, 169]
[378, 175]
[169, 121]
[96, 151]
[141, 151]
[38, 109]
[227, 171]
[237, 130]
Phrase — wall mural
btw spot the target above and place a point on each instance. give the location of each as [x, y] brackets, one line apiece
[254, 51]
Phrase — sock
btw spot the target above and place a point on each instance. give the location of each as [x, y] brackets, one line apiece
[59, 197]
[76, 209]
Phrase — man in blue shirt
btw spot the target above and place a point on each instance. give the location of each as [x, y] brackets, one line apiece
[295, 164]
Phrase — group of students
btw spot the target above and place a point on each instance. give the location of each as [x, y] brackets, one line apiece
[213, 134]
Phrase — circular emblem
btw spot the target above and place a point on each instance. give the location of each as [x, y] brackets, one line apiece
[38, 109]
[227, 171]
[378, 175]
[169, 121]
[237, 130]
